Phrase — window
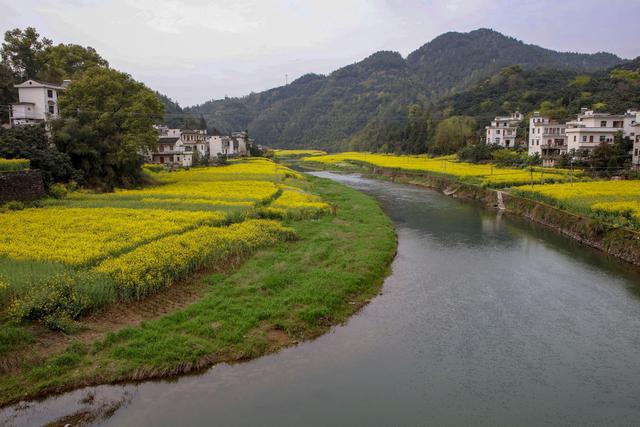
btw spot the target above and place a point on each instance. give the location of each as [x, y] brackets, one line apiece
[497, 140]
[603, 138]
[618, 124]
[52, 109]
[497, 131]
[49, 93]
[603, 124]
[584, 138]
[590, 138]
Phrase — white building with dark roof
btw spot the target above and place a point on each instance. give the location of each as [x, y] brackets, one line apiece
[38, 102]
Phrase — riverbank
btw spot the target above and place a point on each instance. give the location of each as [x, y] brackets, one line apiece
[282, 295]
[615, 241]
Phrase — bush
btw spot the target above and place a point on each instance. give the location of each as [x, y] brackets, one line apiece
[58, 191]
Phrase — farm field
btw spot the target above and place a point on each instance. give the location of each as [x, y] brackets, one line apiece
[484, 174]
[617, 202]
[287, 291]
[297, 153]
[72, 256]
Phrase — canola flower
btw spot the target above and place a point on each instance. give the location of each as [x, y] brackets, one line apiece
[294, 202]
[159, 263]
[617, 200]
[626, 209]
[78, 236]
[133, 242]
[298, 153]
[13, 164]
[483, 174]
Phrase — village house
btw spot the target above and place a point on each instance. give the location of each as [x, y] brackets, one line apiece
[195, 141]
[591, 129]
[37, 102]
[547, 139]
[502, 130]
[171, 150]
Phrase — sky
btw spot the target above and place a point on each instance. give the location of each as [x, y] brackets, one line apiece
[198, 50]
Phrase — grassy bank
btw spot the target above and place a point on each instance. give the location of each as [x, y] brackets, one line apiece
[282, 294]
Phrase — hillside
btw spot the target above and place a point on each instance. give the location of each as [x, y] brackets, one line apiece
[327, 111]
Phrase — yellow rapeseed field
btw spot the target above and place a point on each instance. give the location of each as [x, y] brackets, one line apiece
[616, 200]
[298, 153]
[137, 241]
[78, 236]
[484, 174]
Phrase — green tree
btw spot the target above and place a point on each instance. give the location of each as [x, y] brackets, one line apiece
[66, 61]
[21, 49]
[31, 142]
[106, 125]
[8, 93]
[452, 134]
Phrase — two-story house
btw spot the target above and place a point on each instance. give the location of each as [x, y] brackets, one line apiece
[592, 128]
[195, 141]
[502, 130]
[38, 102]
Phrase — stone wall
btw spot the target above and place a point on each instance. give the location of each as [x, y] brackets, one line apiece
[21, 185]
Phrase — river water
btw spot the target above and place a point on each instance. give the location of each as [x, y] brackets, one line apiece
[485, 320]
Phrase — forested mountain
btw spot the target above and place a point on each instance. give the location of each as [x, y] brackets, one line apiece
[335, 111]
[558, 94]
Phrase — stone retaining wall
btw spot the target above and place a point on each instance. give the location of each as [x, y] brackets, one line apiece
[21, 185]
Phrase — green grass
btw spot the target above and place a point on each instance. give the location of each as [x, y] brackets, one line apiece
[299, 289]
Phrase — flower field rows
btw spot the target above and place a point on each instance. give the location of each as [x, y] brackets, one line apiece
[483, 174]
[616, 201]
[79, 253]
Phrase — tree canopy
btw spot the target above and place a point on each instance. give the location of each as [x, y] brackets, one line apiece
[106, 126]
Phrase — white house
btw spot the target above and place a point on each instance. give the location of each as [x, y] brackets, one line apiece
[236, 144]
[547, 138]
[502, 130]
[38, 102]
[195, 141]
[591, 129]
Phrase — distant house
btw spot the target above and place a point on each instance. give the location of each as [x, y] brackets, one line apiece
[591, 129]
[38, 102]
[547, 139]
[502, 130]
[195, 141]
[177, 147]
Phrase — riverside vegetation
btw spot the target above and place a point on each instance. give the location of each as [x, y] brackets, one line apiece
[316, 249]
[615, 202]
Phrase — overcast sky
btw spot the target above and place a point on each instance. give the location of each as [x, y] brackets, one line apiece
[198, 50]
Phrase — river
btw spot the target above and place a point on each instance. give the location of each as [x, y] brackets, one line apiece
[485, 320]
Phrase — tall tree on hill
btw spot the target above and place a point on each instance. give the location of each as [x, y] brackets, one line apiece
[67, 61]
[107, 123]
[21, 49]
